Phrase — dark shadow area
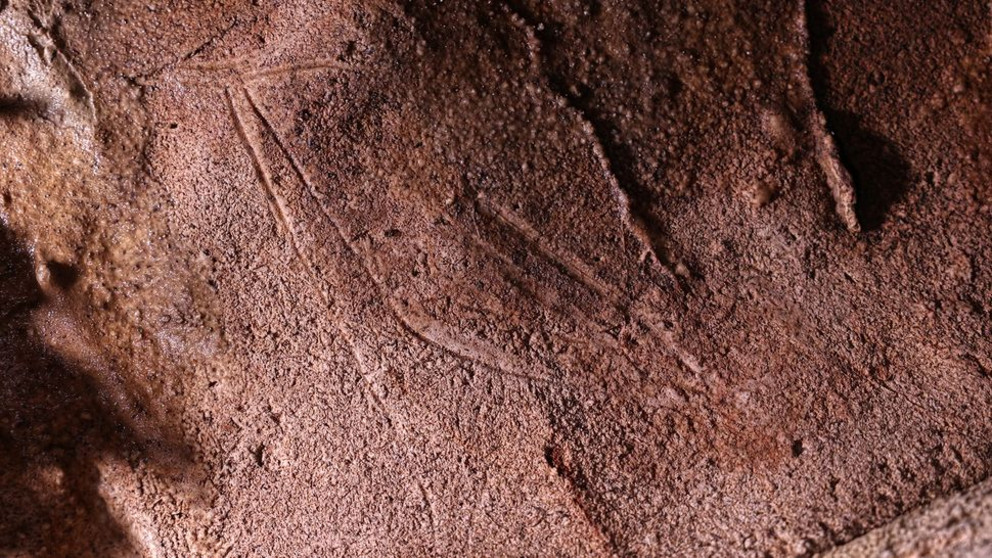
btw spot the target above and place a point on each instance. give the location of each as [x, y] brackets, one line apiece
[21, 107]
[56, 425]
[881, 175]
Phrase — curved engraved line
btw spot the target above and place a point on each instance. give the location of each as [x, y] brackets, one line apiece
[634, 216]
[395, 416]
[465, 352]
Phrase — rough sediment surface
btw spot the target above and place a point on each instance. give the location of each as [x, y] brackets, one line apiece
[490, 278]
[959, 525]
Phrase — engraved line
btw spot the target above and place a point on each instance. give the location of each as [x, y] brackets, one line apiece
[317, 284]
[827, 155]
[466, 350]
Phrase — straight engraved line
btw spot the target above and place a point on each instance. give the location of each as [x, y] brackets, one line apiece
[430, 510]
[394, 416]
[263, 173]
[237, 66]
[634, 216]
[573, 267]
[219, 66]
[681, 358]
[306, 66]
[466, 351]
[179, 63]
[552, 299]
[471, 516]
[838, 177]
[272, 50]
[579, 272]
[61, 55]
[921, 411]
[278, 214]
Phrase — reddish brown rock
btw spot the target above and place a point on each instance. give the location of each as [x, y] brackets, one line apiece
[514, 278]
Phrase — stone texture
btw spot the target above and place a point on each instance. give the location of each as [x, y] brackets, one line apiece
[490, 278]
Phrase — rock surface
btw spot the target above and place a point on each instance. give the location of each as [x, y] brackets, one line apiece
[959, 525]
[476, 277]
